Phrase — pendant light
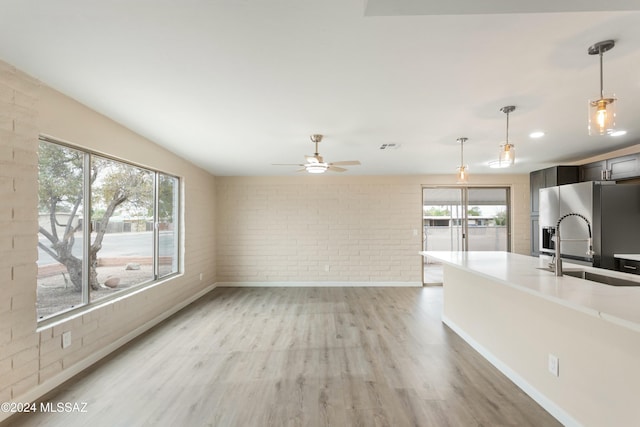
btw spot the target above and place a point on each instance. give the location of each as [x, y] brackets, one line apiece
[602, 112]
[461, 171]
[507, 156]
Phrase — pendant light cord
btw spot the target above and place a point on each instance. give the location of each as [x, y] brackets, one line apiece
[601, 75]
[507, 143]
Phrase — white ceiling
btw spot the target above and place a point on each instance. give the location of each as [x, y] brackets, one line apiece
[236, 85]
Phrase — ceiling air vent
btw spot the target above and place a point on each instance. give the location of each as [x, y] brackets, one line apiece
[390, 146]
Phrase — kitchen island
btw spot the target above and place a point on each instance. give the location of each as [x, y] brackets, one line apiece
[520, 317]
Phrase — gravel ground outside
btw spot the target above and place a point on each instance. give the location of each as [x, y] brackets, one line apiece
[56, 293]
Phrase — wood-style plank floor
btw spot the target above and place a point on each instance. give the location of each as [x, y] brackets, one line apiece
[297, 357]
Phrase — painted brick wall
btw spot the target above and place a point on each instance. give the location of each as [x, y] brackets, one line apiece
[311, 228]
[32, 360]
[18, 232]
[335, 228]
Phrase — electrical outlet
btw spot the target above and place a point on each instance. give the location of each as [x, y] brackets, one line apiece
[200, 276]
[66, 339]
[327, 267]
[554, 365]
[415, 232]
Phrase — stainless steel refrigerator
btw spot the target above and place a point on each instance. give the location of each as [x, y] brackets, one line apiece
[613, 210]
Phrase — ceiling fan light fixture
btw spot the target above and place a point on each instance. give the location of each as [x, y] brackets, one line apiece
[602, 111]
[315, 164]
[317, 167]
[462, 176]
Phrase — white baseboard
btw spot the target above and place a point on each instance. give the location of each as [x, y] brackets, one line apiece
[316, 284]
[556, 411]
[53, 382]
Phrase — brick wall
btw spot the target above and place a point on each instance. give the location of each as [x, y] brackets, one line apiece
[335, 228]
[32, 360]
[310, 228]
[18, 232]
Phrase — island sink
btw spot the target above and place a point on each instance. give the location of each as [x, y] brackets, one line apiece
[600, 278]
[595, 277]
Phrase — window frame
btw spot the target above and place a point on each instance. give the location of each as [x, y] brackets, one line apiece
[87, 303]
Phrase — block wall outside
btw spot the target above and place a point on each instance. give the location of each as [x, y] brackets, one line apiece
[31, 354]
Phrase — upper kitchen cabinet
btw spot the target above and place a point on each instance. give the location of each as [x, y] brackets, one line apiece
[593, 171]
[550, 177]
[618, 168]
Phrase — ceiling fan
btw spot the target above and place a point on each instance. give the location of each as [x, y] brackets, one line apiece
[316, 164]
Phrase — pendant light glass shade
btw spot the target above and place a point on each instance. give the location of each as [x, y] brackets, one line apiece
[507, 155]
[462, 176]
[602, 111]
[602, 116]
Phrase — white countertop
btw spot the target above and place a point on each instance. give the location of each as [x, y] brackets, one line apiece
[617, 304]
[633, 257]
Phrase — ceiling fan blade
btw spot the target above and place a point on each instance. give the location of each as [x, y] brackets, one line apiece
[286, 164]
[346, 163]
[336, 169]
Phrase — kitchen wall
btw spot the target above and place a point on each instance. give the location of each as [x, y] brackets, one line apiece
[32, 360]
[335, 229]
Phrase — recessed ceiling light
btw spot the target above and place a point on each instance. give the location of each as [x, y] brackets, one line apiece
[537, 134]
[497, 164]
[618, 133]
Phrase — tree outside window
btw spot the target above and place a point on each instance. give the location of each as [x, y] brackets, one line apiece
[121, 234]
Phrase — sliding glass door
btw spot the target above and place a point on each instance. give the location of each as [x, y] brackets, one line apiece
[464, 219]
[444, 219]
[487, 219]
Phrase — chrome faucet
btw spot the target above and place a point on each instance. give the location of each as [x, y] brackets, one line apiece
[556, 238]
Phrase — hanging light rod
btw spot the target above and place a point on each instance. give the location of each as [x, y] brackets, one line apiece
[602, 110]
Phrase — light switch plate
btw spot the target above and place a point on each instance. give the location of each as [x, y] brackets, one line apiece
[66, 339]
[554, 365]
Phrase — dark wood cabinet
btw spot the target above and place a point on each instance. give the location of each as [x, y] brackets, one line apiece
[550, 177]
[615, 169]
[593, 171]
[536, 182]
[535, 236]
[628, 265]
[624, 167]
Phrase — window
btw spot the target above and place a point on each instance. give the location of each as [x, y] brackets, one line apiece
[129, 237]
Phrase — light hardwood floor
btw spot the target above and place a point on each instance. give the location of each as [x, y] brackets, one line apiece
[298, 357]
